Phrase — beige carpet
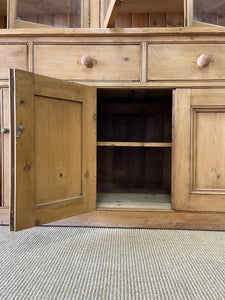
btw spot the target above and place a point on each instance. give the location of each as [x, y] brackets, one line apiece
[103, 263]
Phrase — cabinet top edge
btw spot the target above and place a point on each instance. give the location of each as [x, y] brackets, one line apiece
[112, 32]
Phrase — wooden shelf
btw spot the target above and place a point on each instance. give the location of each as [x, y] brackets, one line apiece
[133, 144]
[134, 200]
[141, 6]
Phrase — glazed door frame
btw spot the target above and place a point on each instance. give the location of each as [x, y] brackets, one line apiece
[12, 22]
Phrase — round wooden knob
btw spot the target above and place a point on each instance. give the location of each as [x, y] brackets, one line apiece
[86, 61]
[203, 60]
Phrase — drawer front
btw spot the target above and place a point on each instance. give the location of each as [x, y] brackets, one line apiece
[179, 62]
[109, 62]
[12, 56]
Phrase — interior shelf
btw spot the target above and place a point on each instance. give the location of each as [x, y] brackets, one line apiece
[133, 144]
[145, 201]
[141, 6]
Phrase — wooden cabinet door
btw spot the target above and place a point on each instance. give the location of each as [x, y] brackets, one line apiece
[53, 149]
[199, 150]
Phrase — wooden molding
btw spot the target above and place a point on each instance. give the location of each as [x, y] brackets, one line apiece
[133, 144]
[140, 219]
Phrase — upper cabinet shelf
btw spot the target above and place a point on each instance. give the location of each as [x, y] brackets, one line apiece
[142, 6]
[195, 12]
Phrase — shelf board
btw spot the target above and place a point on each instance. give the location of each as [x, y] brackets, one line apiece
[133, 144]
[141, 6]
[134, 200]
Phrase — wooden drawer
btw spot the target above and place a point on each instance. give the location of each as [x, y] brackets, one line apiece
[12, 56]
[109, 62]
[179, 62]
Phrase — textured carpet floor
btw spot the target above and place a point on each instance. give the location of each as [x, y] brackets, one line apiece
[103, 263]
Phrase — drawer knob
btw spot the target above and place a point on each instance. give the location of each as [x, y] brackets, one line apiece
[203, 60]
[86, 61]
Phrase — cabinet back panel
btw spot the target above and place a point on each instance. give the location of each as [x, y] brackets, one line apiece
[134, 116]
[133, 169]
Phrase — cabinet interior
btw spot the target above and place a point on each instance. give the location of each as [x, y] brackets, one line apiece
[3, 14]
[143, 13]
[50, 12]
[134, 148]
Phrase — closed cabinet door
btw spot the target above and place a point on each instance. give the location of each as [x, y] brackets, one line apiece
[199, 150]
[53, 149]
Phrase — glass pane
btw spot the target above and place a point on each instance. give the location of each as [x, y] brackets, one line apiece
[210, 11]
[57, 13]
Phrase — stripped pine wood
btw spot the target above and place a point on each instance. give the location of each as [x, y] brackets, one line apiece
[181, 33]
[122, 63]
[157, 20]
[139, 219]
[14, 56]
[35, 151]
[148, 219]
[182, 149]
[174, 20]
[140, 20]
[132, 144]
[11, 13]
[123, 21]
[94, 13]
[112, 13]
[182, 60]
[140, 201]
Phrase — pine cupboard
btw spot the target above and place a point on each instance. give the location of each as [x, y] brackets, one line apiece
[114, 127]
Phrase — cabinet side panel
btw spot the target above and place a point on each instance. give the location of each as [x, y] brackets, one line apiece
[182, 149]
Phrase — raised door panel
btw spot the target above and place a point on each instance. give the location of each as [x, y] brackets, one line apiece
[199, 168]
[54, 153]
[107, 62]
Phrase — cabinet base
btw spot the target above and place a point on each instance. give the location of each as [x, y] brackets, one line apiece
[140, 219]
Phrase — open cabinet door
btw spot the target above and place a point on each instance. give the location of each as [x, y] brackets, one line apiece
[53, 144]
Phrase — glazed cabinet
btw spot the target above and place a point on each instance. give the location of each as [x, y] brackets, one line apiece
[162, 13]
[48, 13]
[111, 13]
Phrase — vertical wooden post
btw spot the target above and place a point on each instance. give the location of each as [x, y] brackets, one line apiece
[11, 13]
